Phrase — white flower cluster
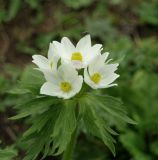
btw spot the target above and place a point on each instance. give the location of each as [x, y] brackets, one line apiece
[64, 63]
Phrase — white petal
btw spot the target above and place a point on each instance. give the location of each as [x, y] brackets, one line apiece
[84, 42]
[77, 84]
[78, 64]
[67, 72]
[87, 79]
[107, 69]
[49, 89]
[52, 52]
[53, 56]
[69, 47]
[111, 85]
[61, 51]
[96, 64]
[76, 87]
[51, 76]
[97, 47]
[67, 95]
[102, 85]
[105, 55]
[109, 79]
[88, 55]
[94, 54]
[41, 61]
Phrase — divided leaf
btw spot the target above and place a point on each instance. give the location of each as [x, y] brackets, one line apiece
[51, 130]
[92, 106]
[39, 135]
[64, 127]
[96, 125]
[35, 106]
[111, 106]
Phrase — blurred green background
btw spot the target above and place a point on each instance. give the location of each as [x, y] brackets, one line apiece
[127, 29]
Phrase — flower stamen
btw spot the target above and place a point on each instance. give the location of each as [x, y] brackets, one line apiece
[76, 56]
[65, 86]
[96, 77]
[51, 64]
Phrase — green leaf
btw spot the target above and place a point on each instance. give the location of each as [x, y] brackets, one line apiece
[13, 9]
[148, 12]
[154, 147]
[35, 106]
[34, 4]
[39, 134]
[135, 144]
[51, 130]
[77, 4]
[94, 108]
[8, 153]
[3, 16]
[95, 124]
[25, 48]
[64, 127]
[32, 79]
[112, 106]
[100, 27]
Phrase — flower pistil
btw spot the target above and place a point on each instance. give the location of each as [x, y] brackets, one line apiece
[65, 86]
[76, 56]
[96, 77]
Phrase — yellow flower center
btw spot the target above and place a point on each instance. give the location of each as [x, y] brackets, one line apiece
[76, 56]
[65, 86]
[96, 77]
[51, 64]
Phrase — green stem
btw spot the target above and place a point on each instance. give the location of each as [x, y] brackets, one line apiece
[68, 154]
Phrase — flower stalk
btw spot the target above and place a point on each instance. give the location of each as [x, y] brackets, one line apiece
[68, 154]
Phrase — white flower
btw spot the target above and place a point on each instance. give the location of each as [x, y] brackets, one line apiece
[63, 83]
[81, 55]
[47, 63]
[100, 74]
[62, 78]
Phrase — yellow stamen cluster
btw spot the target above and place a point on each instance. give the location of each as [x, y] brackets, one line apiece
[65, 86]
[96, 77]
[51, 64]
[76, 56]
